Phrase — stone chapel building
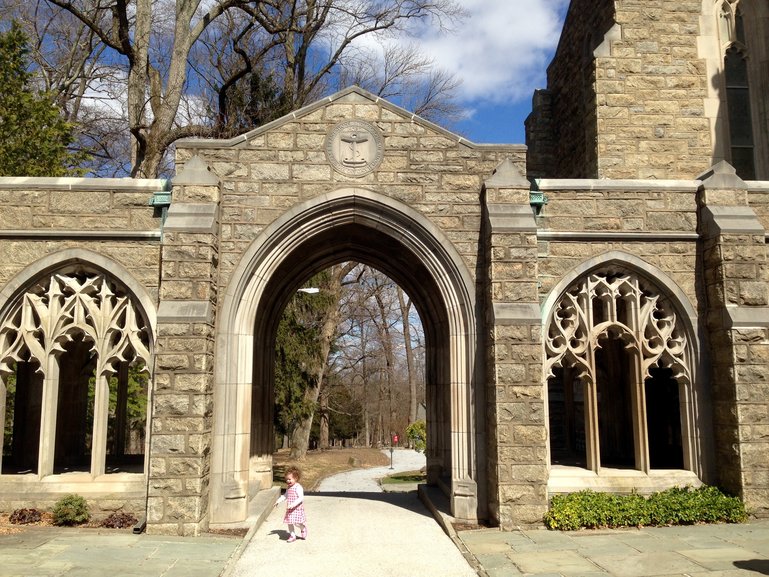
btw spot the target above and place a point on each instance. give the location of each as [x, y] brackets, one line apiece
[595, 303]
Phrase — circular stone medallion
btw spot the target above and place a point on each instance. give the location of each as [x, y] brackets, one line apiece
[355, 147]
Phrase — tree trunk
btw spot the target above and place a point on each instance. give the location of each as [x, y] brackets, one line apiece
[324, 424]
[386, 384]
[301, 436]
[410, 367]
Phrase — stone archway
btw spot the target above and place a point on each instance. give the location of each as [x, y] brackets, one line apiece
[349, 224]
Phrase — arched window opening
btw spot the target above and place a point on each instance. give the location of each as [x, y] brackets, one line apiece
[21, 433]
[739, 27]
[74, 346]
[738, 112]
[610, 404]
[663, 422]
[566, 407]
[126, 426]
[74, 414]
[614, 404]
[739, 68]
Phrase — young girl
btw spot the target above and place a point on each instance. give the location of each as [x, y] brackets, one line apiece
[294, 498]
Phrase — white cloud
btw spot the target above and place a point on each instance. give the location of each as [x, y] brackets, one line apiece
[501, 50]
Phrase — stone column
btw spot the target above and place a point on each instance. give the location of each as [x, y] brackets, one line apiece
[181, 432]
[49, 410]
[736, 274]
[518, 463]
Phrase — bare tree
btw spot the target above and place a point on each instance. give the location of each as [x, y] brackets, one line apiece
[300, 43]
[372, 354]
[68, 62]
[408, 76]
[405, 308]
[300, 441]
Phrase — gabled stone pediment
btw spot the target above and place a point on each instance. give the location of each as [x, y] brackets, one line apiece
[351, 135]
[351, 96]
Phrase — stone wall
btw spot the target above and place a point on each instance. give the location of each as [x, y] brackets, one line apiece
[42, 216]
[655, 221]
[628, 93]
[105, 224]
[268, 171]
[568, 108]
[541, 158]
[516, 411]
[183, 408]
[737, 283]
[651, 88]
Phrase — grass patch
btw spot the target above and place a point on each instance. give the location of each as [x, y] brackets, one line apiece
[322, 463]
[405, 477]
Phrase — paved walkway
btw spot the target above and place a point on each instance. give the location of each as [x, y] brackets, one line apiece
[368, 533]
[356, 529]
[46, 551]
[698, 551]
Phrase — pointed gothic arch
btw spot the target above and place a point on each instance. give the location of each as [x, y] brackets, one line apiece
[348, 224]
[736, 50]
[619, 332]
[71, 325]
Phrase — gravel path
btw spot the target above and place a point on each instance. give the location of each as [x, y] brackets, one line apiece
[357, 530]
[367, 480]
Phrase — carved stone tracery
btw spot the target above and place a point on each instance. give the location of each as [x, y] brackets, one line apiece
[53, 312]
[65, 309]
[621, 305]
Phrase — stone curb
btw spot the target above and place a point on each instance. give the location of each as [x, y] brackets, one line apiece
[261, 505]
[433, 497]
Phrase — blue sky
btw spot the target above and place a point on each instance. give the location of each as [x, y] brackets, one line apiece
[500, 52]
[496, 123]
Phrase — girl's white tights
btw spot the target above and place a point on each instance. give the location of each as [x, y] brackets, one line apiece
[291, 528]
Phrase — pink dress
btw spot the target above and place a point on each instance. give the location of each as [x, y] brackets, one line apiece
[295, 514]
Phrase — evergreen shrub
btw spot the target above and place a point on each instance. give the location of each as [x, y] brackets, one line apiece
[416, 433]
[70, 510]
[676, 506]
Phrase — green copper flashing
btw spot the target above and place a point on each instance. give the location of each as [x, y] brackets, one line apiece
[161, 200]
[537, 200]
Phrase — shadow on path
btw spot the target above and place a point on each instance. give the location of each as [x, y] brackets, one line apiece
[755, 565]
[409, 500]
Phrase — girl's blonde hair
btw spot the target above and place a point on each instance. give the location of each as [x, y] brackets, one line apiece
[294, 472]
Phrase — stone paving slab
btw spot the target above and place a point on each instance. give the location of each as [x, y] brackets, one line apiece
[685, 551]
[566, 562]
[646, 564]
[54, 552]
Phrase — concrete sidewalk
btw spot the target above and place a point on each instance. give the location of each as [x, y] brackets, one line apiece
[357, 529]
[362, 534]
